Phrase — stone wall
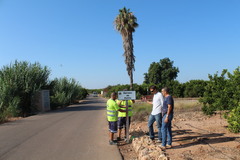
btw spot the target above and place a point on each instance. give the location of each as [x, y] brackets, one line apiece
[147, 150]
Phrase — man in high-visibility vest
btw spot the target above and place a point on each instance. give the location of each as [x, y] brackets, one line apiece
[122, 120]
[112, 112]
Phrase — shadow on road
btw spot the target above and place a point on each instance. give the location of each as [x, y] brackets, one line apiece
[81, 108]
[88, 104]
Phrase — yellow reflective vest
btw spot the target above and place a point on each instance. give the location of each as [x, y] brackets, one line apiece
[123, 103]
[112, 110]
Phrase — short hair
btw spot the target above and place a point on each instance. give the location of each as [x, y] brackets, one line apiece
[166, 89]
[153, 87]
[113, 94]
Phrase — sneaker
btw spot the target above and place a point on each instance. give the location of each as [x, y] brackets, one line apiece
[119, 139]
[168, 146]
[159, 141]
[152, 139]
[112, 143]
[162, 147]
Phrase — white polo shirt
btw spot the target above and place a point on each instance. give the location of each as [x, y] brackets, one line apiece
[157, 103]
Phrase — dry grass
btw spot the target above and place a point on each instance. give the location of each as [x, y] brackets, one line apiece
[142, 110]
[187, 105]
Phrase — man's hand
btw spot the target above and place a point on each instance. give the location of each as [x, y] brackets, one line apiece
[119, 103]
[166, 119]
[120, 110]
[149, 102]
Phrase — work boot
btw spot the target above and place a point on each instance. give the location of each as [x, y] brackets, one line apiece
[112, 143]
[118, 139]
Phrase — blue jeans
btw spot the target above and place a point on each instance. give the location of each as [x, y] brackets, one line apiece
[167, 130]
[151, 120]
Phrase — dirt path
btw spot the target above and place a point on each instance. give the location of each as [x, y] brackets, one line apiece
[195, 137]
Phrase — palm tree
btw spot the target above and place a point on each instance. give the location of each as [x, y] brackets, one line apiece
[125, 23]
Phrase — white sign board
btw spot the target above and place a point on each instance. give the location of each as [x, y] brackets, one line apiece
[126, 95]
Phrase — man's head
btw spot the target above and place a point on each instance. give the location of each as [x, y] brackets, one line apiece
[114, 95]
[165, 91]
[153, 89]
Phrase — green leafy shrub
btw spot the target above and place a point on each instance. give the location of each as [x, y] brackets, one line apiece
[176, 88]
[233, 119]
[65, 92]
[215, 96]
[18, 84]
[221, 92]
[194, 88]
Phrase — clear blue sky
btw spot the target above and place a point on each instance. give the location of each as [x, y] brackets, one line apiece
[76, 38]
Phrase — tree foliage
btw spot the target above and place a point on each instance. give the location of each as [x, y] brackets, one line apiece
[215, 96]
[234, 120]
[161, 72]
[125, 23]
[222, 92]
[194, 88]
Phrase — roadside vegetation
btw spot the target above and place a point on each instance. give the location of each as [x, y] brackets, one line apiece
[65, 92]
[140, 111]
[219, 93]
[20, 81]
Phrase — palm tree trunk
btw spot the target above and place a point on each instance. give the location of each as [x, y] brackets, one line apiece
[129, 56]
[131, 81]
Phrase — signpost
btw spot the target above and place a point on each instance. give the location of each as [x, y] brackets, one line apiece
[127, 95]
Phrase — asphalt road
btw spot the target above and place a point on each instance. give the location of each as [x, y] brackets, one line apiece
[79, 132]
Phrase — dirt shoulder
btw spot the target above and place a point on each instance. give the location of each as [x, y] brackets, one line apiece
[195, 137]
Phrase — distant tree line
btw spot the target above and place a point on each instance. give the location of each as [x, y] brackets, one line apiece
[20, 81]
[161, 74]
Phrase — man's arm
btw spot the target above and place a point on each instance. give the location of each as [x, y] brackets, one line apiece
[169, 111]
[119, 103]
[149, 102]
[120, 110]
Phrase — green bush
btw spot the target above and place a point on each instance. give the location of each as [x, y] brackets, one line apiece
[176, 88]
[194, 88]
[234, 120]
[65, 92]
[18, 84]
[215, 96]
[222, 93]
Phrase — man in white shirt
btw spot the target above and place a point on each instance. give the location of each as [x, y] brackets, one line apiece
[156, 114]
